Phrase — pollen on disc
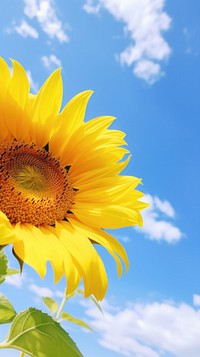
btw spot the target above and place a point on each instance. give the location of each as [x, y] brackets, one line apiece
[34, 188]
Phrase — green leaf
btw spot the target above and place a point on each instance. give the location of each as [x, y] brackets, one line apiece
[51, 304]
[12, 271]
[38, 335]
[7, 312]
[3, 266]
[68, 317]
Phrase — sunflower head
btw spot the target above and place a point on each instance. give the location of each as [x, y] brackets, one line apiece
[61, 182]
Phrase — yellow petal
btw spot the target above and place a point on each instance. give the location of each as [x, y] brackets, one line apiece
[93, 174]
[73, 114]
[88, 133]
[4, 76]
[90, 264]
[97, 125]
[4, 131]
[19, 86]
[30, 249]
[61, 260]
[4, 82]
[88, 138]
[39, 245]
[69, 120]
[16, 115]
[106, 240]
[45, 108]
[122, 185]
[97, 158]
[7, 234]
[107, 216]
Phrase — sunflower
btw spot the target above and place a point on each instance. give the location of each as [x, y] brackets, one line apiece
[60, 182]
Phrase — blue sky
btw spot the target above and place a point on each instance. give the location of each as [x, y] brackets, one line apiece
[142, 60]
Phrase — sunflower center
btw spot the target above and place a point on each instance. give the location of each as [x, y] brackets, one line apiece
[31, 179]
[34, 188]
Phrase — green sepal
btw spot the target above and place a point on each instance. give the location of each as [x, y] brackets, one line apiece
[50, 303]
[68, 317]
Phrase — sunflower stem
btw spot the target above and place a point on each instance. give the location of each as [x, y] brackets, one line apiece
[3, 345]
[62, 304]
[22, 354]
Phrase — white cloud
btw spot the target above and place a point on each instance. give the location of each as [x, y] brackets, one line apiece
[148, 70]
[144, 21]
[44, 291]
[157, 225]
[196, 300]
[191, 37]
[15, 280]
[124, 239]
[59, 293]
[148, 330]
[34, 85]
[164, 207]
[51, 61]
[40, 291]
[45, 13]
[31, 7]
[25, 30]
[90, 8]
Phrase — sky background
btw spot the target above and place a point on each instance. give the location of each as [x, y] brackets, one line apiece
[142, 59]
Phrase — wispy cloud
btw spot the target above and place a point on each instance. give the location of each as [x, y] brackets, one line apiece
[191, 38]
[148, 330]
[25, 30]
[45, 13]
[158, 221]
[40, 291]
[144, 22]
[59, 293]
[148, 70]
[90, 8]
[15, 280]
[51, 62]
[123, 238]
